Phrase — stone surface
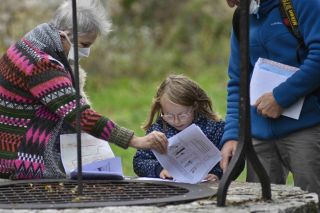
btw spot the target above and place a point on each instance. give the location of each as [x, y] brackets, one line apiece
[242, 197]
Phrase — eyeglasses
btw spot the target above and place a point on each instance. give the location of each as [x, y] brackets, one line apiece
[181, 117]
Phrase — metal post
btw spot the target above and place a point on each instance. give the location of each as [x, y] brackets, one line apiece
[76, 73]
[244, 147]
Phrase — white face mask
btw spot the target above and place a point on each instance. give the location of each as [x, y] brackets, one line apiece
[82, 52]
[254, 6]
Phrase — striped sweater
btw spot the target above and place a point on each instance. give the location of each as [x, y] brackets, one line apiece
[37, 96]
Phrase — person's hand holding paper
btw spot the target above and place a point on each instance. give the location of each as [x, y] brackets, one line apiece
[267, 106]
[191, 155]
[266, 76]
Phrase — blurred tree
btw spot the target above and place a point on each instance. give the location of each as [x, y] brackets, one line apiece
[149, 38]
[19, 16]
[152, 38]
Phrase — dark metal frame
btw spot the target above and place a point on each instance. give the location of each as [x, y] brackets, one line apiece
[77, 87]
[245, 147]
[42, 198]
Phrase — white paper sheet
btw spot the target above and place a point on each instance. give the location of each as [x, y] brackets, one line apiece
[266, 76]
[153, 179]
[160, 179]
[191, 155]
[93, 149]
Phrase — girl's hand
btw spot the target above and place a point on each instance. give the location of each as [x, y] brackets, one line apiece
[154, 140]
[164, 174]
[211, 177]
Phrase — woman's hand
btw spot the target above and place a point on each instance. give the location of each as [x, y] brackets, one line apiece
[154, 140]
[211, 177]
[227, 151]
[164, 174]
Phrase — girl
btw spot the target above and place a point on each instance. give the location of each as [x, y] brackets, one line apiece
[179, 102]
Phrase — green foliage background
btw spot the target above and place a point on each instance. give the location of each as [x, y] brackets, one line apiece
[149, 40]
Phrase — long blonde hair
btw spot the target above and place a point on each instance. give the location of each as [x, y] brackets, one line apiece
[183, 91]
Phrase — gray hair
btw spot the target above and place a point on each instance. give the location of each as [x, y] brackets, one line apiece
[92, 17]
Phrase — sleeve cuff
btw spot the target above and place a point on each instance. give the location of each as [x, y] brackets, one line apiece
[158, 170]
[121, 136]
[282, 97]
[231, 132]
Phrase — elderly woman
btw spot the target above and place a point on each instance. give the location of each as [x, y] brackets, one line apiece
[37, 96]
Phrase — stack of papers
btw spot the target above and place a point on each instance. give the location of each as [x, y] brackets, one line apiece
[98, 159]
[191, 155]
[110, 169]
[267, 75]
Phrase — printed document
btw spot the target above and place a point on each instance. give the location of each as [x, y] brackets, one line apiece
[92, 149]
[191, 155]
[267, 75]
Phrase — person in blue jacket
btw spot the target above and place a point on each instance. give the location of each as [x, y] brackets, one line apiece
[178, 103]
[282, 144]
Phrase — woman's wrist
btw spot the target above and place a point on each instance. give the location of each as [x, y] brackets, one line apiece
[133, 141]
[121, 136]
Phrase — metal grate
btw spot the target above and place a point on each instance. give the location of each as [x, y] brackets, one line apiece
[63, 193]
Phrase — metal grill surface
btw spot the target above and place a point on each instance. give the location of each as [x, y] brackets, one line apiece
[64, 193]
